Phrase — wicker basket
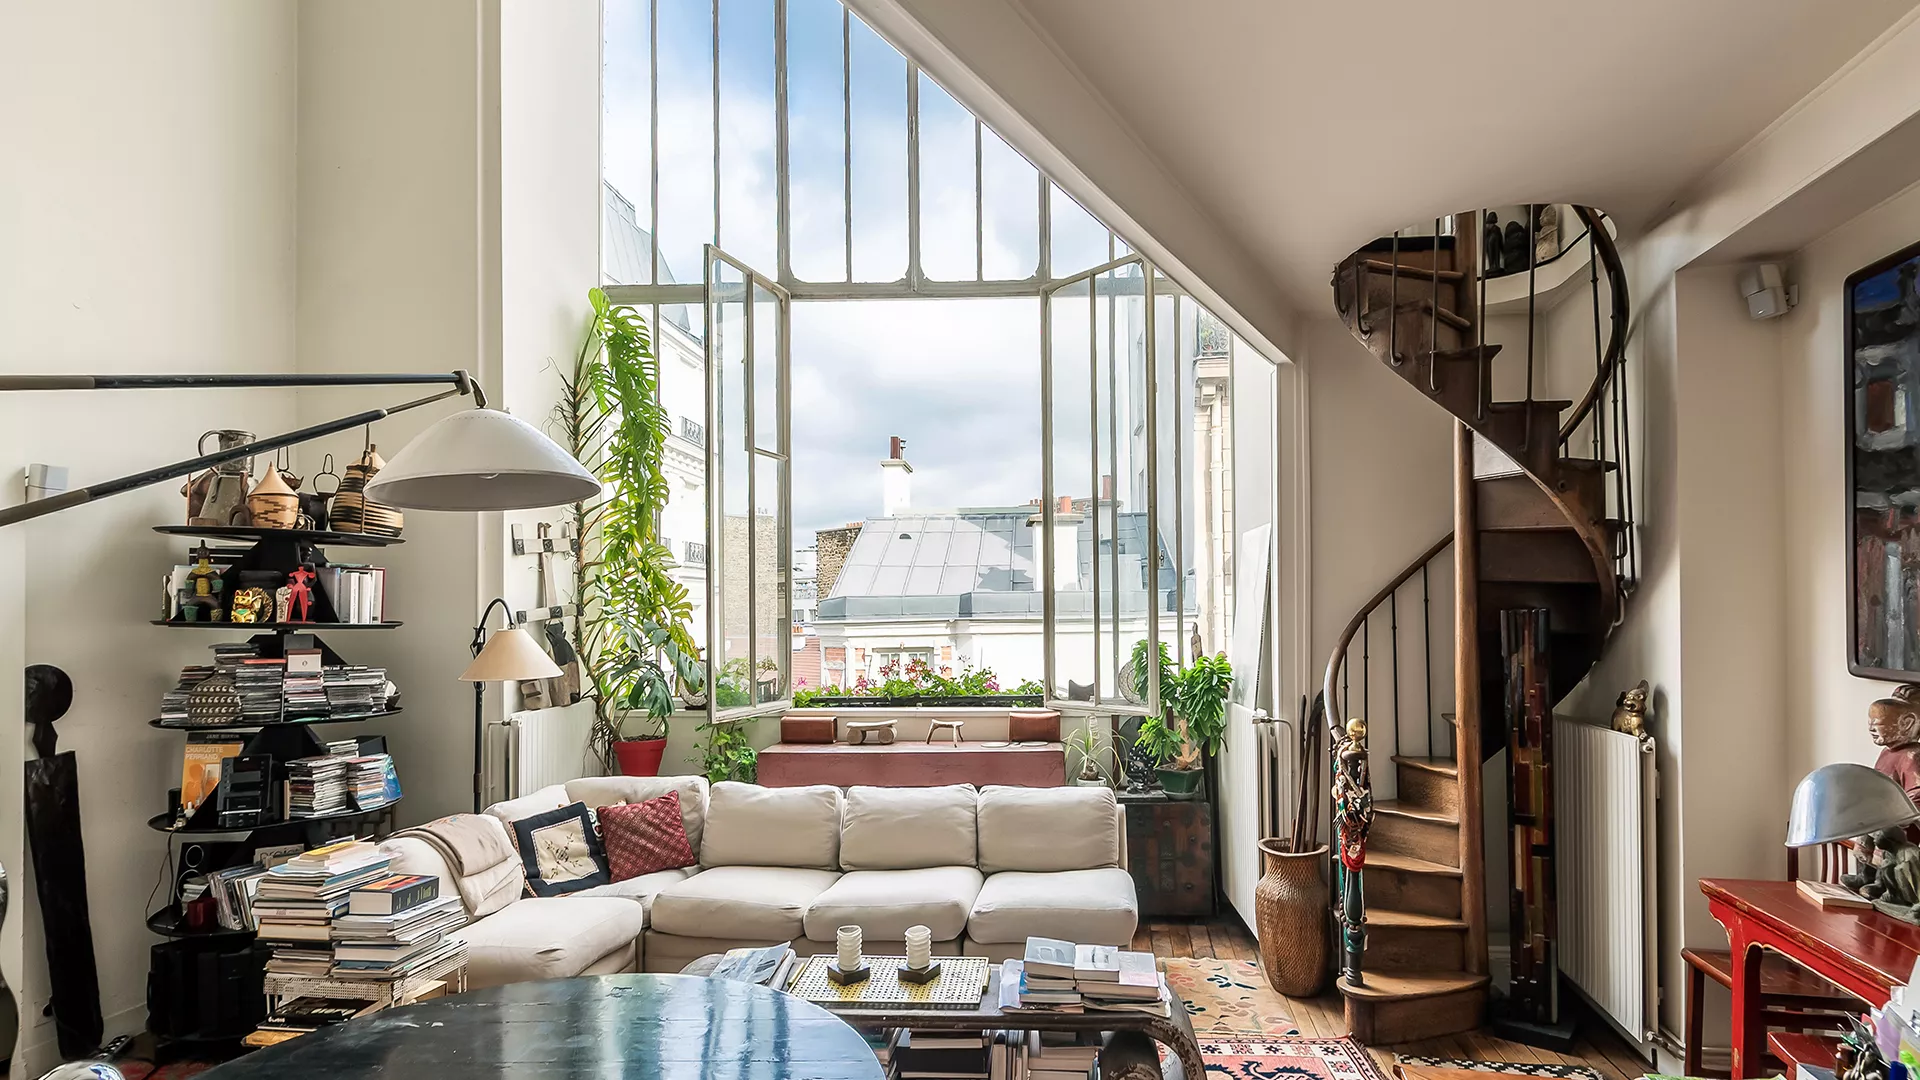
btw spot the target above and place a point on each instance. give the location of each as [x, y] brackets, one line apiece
[1290, 903]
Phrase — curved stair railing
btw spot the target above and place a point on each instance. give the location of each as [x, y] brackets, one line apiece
[1553, 481]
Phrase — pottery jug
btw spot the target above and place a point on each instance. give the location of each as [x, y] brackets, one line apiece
[1290, 905]
[273, 504]
[219, 495]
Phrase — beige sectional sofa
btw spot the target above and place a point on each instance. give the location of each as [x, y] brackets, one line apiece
[982, 869]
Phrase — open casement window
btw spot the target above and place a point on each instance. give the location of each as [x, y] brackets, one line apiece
[749, 570]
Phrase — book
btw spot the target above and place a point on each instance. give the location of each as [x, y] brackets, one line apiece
[393, 894]
[1049, 957]
[312, 1014]
[1831, 896]
[1096, 963]
[200, 766]
[1136, 978]
[759, 966]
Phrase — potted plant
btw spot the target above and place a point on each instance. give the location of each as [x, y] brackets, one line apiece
[635, 644]
[1090, 745]
[1192, 723]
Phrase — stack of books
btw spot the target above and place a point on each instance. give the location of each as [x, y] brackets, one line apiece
[941, 1055]
[304, 1015]
[260, 683]
[882, 1042]
[395, 926]
[317, 786]
[1061, 977]
[296, 903]
[372, 781]
[305, 694]
[354, 691]
[771, 965]
[1053, 1055]
[233, 890]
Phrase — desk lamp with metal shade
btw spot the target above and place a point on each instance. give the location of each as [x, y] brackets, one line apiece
[1843, 801]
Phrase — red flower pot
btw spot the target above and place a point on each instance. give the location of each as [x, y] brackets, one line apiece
[639, 757]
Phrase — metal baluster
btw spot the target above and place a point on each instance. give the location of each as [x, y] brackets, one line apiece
[1480, 333]
[1599, 350]
[1393, 625]
[1366, 667]
[1393, 304]
[1426, 647]
[1433, 329]
[1625, 425]
[1533, 218]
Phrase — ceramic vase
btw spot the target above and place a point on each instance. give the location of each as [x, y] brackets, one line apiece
[1290, 905]
[273, 504]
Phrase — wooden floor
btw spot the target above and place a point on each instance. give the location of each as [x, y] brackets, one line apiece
[1224, 938]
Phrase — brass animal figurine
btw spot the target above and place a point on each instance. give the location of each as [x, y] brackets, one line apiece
[1630, 711]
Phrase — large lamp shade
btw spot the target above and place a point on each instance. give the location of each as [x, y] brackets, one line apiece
[481, 459]
[510, 655]
[1845, 800]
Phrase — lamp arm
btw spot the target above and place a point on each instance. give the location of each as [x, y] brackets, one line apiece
[42, 507]
[480, 628]
[460, 380]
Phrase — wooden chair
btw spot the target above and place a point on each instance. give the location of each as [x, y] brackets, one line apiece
[1791, 997]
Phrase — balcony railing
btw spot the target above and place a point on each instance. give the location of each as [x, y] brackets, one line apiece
[693, 431]
[696, 553]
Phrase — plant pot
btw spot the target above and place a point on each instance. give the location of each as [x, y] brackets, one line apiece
[1290, 906]
[1180, 783]
[639, 757]
[1082, 781]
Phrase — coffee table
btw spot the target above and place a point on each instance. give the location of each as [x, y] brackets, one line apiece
[1174, 1032]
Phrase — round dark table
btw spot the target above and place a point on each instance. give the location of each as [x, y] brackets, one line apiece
[674, 1027]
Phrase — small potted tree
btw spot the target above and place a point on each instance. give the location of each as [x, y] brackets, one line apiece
[1192, 723]
[1089, 744]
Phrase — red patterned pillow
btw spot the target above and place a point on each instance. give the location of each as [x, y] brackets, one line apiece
[645, 837]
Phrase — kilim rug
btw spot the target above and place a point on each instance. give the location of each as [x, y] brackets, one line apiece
[1504, 1068]
[1286, 1057]
[1228, 998]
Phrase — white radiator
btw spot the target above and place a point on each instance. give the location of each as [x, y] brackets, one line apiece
[549, 746]
[1604, 791]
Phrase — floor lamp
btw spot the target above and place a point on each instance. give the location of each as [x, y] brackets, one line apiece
[511, 655]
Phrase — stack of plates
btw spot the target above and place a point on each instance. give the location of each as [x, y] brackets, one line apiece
[353, 512]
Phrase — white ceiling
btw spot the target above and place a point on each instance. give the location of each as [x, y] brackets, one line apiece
[1305, 128]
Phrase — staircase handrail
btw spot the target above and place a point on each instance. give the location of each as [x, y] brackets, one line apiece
[1609, 256]
[1336, 722]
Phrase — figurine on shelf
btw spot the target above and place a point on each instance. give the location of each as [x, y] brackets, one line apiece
[252, 605]
[1630, 711]
[1894, 725]
[301, 597]
[1894, 884]
[203, 589]
[283, 604]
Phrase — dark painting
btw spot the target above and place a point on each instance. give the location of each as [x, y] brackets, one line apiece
[1883, 467]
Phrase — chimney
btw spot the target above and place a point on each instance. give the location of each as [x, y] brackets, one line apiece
[896, 480]
[1066, 546]
[1106, 487]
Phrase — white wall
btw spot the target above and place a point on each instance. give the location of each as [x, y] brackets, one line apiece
[153, 231]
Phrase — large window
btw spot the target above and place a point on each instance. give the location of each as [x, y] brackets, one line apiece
[1009, 441]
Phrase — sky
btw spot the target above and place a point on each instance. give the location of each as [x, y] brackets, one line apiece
[958, 379]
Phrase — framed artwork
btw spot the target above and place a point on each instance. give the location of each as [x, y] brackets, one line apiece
[1883, 467]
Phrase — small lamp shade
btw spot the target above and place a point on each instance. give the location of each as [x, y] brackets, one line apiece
[1845, 800]
[481, 459]
[510, 655]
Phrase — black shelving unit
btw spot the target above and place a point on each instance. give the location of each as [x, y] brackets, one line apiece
[223, 969]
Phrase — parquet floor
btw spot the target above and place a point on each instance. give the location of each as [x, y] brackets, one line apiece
[1226, 939]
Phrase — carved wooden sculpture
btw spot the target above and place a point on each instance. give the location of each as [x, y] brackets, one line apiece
[1353, 815]
[60, 867]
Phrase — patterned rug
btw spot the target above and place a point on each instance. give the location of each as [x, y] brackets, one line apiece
[1228, 998]
[1508, 1068]
[1287, 1057]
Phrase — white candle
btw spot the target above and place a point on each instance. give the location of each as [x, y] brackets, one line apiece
[919, 947]
[848, 939]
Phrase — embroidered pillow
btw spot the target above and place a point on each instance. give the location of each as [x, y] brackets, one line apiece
[561, 851]
[645, 837]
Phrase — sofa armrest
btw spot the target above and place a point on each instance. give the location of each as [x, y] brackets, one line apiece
[1120, 822]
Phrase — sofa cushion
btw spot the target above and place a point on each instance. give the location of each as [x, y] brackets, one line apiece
[1096, 907]
[749, 825]
[551, 797]
[1046, 829]
[613, 790]
[752, 903]
[481, 893]
[548, 937]
[888, 828]
[644, 837]
[640, 890]
[561, 851]
[883, 903]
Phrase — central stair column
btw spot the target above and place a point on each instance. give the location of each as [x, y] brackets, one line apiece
[1466, 698]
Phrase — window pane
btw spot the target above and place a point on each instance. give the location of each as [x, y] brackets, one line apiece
[816, 140]
[772, 616]
[686, 137]
[683, 393]
[626, 251]
[879, 158]
[734, 565]
[1216, 524]
[1251, 481]
[1012, 197]
[946, 186]
[1172, 598]
[747, 188]
[1073, 464]
[767, 421]
[1079, 242]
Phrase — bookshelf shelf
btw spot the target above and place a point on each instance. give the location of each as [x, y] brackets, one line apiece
[317, 537]
[278, 628]
[304, 721]
[170, 922]
[164, 822]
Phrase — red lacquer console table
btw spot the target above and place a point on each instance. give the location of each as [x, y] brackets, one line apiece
[1864, 953]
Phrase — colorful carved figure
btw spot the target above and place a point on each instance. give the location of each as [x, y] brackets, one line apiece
[1894, 725]
[301, 597]
[1353, 816]
[204, 585]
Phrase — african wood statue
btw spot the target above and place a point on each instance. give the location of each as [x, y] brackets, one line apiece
[1893, 885]
[1894, 724]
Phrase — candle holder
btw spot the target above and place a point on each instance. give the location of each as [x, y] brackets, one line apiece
[920, 976]
[919, 967]
[848, 966]
[842, 977]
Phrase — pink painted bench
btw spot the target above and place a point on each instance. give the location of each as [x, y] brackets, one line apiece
[909, 764]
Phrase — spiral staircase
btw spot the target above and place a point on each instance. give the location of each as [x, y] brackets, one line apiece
[1543, 519]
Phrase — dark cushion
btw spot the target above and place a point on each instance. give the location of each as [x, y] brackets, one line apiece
[561, 851]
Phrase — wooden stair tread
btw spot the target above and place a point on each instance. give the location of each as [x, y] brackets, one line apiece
[1586, 464]
[1425, 307]
[1521, 406]
[1383, 266]
[1411, 920]
[1407, 864]
[1402, 985]
[1392, 808]
[1443, 766]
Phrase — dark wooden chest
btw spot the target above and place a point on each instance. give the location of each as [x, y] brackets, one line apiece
[1170, 855]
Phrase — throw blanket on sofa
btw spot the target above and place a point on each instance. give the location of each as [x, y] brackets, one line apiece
[486, 869]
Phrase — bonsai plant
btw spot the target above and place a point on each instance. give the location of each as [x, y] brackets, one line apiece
[634, 642]
[1192, 723]
[1090, 745]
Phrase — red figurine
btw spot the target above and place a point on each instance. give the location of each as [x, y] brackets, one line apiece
[300, 598]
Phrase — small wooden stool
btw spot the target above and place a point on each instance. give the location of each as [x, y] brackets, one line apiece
[945, 727]
[881, 730]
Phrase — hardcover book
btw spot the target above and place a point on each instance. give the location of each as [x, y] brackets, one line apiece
[393, 895]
